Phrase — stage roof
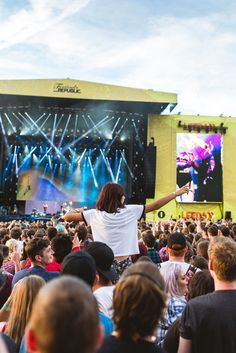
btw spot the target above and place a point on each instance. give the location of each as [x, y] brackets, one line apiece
[76, 90]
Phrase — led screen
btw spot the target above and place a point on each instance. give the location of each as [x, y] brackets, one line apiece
[199, 163]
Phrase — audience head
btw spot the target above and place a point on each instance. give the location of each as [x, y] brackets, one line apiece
[51, 232]
[224, 231]
[175, 281]
[64, 319]
[24, 294]
[81, 232]
[148, 239]
[202, 249]
[15, 233]
[138, 301]
[39, 251]
[199, 262]
[212, 231]
[12, 245]
[176, 244]
[61, 246]
[81, 265]
[111, 198]
[5, 251]
[104, 257]
[222, 259]
[201, 283]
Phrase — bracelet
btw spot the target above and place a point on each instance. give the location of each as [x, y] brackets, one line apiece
[174, 193]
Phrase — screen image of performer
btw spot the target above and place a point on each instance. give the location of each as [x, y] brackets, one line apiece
[184, 175]
[199, 163]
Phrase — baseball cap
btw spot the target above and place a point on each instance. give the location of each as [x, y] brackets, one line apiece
[80, 264]
[176, 241]
[104, 257]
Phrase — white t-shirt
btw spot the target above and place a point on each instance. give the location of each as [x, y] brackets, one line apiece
[104, 296]
[184, 265]
[118, 230]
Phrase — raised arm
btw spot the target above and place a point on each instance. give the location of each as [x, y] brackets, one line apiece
[164, 200]
[74, 215]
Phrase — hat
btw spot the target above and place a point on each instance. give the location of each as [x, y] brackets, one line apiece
[104, 257]
[81, 265]
[176, 241]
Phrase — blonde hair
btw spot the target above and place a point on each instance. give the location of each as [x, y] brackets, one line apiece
[170, 273]
[11, 244]
[222, 254]
[24, 295]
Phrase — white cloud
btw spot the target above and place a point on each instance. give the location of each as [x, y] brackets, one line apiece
[194, 57]
[39, 17]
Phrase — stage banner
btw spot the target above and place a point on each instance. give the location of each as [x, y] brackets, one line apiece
[210, 211]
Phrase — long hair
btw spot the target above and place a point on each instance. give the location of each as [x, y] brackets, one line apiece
[24, 295]
[110, 198]
[170, 273]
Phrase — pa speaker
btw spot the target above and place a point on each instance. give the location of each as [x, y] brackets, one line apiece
[150, 171]
[227, 214]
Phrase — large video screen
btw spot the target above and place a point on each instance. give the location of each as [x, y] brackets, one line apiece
[77, 176]
[199, 163]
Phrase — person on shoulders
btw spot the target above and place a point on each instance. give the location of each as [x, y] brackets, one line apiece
[115, 223]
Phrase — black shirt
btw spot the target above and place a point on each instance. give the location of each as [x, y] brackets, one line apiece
[209, 321]
[112, 344]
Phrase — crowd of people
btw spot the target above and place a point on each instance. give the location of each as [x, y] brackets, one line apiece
[105, 280]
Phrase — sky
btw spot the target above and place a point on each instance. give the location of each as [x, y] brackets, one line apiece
[183, 46]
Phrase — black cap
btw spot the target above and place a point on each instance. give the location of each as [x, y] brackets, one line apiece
[104, 257]
[81, 265]
[176, 241]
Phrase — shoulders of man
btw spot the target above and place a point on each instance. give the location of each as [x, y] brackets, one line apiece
[35, 270]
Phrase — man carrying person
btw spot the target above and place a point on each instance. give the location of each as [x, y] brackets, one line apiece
[208, 321]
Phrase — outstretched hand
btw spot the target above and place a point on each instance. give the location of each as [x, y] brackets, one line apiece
[184, 190]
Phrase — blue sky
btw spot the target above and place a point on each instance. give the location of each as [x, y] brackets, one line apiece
[187, 47]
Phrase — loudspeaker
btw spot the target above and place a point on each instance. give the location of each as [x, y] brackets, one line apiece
[150, 171]
[227, 214]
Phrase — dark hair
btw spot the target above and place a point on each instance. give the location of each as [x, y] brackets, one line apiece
[81, 232]
[213, 230]
[138, 301]
[199, 262]
[30, 233]
[1, 259]
[3, 233]
[225, 231]
[162, 242]
[109, 199]
[51, 232]
[15, 233]
[61, 245]
[5, 250]
[40, 233]
[201, 283]
[36, 247]
[148, 238]
[191, 227]
[202, 248]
